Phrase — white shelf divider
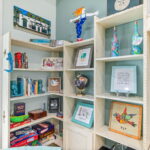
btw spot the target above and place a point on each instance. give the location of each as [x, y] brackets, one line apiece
[33, 122]
[37, 70]
[130, 99]
[133, 143]
[120, 58]
[81, 69]
[123, 17]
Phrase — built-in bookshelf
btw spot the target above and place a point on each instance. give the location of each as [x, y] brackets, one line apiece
[35, 71]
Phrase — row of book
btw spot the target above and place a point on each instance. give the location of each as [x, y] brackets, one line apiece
[26, 87]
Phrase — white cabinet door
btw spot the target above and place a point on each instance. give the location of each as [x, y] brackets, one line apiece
[77, 138]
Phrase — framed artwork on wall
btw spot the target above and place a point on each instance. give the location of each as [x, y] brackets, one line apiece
[114, 6]
[124, 79]
[83, 57]
[126, 119]
[31, 22]
[83, 114]
[54, 85]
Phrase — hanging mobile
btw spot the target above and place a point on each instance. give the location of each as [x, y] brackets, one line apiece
[115, 44]
[137, 40]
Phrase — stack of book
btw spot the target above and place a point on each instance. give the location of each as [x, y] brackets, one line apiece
[28, 87]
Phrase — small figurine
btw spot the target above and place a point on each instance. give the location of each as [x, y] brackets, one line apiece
[81, 82]
[115, 44]
[80, 19]
[137, 40]
[18, 60]
[10, 60]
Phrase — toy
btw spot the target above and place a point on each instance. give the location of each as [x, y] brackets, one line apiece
[18, 60]
[136, 41]
[10, 60]
[115, 44]
[81, 17]
[16, 119]
[19, 109]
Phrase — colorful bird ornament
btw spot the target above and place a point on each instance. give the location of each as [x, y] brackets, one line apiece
[125, 118]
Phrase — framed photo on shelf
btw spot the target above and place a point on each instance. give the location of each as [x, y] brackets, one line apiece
[114, 6]
[54, 85]
[83, 57]
[83, 114]
[51, 63]
[126, 119]
[54, 104]
[124, 79]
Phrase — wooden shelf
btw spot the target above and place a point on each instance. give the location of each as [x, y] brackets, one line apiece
[81, 69]
[37, 70]
[81, 43]
[79, 126]
[123, 17]
[104, 132]
[35, 96]
[33, 122]
[36, 46]
[120, 58]
[109, 96]
[86, 97]
[58, 141]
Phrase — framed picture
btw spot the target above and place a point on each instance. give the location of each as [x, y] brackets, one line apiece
[54, 105]
[31, 22]
[83, 57]
[51, 63]
[83, 114]
[114, 6]
[124, 79]
[54, 85]
[126, 119]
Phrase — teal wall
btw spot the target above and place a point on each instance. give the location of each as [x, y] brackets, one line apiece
[65, 8]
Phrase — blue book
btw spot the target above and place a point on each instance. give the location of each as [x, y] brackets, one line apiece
[44, 41]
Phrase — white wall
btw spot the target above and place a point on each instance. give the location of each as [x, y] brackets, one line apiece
[43, 8]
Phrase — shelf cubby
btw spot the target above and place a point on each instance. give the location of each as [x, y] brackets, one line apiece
[102, 108]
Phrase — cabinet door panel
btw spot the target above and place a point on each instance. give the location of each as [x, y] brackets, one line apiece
[78, 139]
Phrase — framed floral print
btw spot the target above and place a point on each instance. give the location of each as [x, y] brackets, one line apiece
[83, 58]
[126, 119]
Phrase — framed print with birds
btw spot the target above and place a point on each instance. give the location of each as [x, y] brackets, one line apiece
[114, 6]
[126, 119]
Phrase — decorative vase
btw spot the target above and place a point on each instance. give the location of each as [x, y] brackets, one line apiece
[136, 41]
[115, 44]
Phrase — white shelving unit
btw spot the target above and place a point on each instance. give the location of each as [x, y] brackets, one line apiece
[102, 96]
[77, 137]
[34, 101]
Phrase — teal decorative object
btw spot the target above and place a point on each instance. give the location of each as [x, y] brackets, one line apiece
[137, 40]
[115, 44]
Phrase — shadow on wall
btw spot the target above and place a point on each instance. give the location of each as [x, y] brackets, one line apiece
[64, 12]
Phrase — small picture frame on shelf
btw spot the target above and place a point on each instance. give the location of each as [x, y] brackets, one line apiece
[53, 104]
[54, 85]
[52, 63]
[115, 6]
[83, 57]
[83, 114]
[124, 79]
[126, 119]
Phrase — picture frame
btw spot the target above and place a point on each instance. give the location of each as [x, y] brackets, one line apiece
[52, 63]
[54, 84]
[83, 56]
[83, 115]
[115, 6]
[31, 22]
[54, 104]
[126, 119]
[124, 79]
